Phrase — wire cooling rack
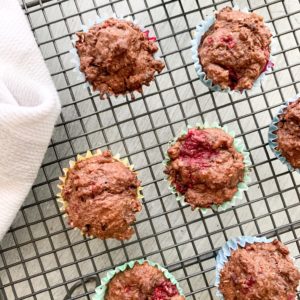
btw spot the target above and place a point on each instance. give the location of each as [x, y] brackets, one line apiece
[42, 258]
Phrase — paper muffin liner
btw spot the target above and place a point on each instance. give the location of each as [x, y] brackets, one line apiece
[64, 204]
[75, 59]
[238, 145]
[225, 253]
[201, 29]
[272, 137]
[101, 290]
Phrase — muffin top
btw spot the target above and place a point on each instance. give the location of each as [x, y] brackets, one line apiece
[142, 282]
[117, 57]
[236, 49]
[101, 197]
[205, 167]
[260, 271]
[288, 133]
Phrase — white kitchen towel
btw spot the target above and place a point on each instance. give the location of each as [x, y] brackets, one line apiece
[29, 107]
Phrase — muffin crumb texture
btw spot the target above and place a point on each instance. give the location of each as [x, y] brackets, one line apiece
[288, 134]
[205, 167]
[101, 196]
[236, 49]
[117, 57]
[260, 271]
[142, 282]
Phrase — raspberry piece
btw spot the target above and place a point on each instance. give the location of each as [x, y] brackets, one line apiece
[291, 297]
[250, 281]
[126, 289]
[197, 148]
[228, 40]
[146, 33]
[164, 291]
[210, 40]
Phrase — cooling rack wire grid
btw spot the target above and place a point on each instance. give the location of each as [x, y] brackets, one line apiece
[42, 258]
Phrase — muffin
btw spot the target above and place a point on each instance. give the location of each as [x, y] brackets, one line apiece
[235, 50]
[117, 57]
[205, 167]
[288, 133]
[259, 271]
[140, 280]
[101, 195]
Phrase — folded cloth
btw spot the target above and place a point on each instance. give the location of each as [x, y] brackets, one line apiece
[29, 107]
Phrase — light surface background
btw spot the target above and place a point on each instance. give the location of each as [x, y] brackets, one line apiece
[41, 257]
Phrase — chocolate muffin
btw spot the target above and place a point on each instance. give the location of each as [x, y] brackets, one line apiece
[235, 50]
[260, 271]
[117, 57]
[100, 195]
[205, 167]
[142, 282]
[288, 134]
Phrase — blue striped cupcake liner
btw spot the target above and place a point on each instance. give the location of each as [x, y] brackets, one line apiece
[272, 137]
[242, 186]
[227, 249]
[201, 29]
[101, 290]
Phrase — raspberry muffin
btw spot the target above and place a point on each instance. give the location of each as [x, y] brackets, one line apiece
[288, 133]
[259, 271]
[101, 195]
[205, 167]
[142, 282]
[235, 50]
[117, 57]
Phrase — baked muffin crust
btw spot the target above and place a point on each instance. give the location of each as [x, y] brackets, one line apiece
[288, 134]
[236, 49]
[260, 271]
[142, 282]
[117, 57]
[101, 194]
[205, 167]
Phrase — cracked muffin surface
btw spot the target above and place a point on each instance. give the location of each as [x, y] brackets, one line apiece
[142, 282]
[117, 57]
[205, 167]
[260, 271]
[288, 134]
[236, 49]
[101, 196]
